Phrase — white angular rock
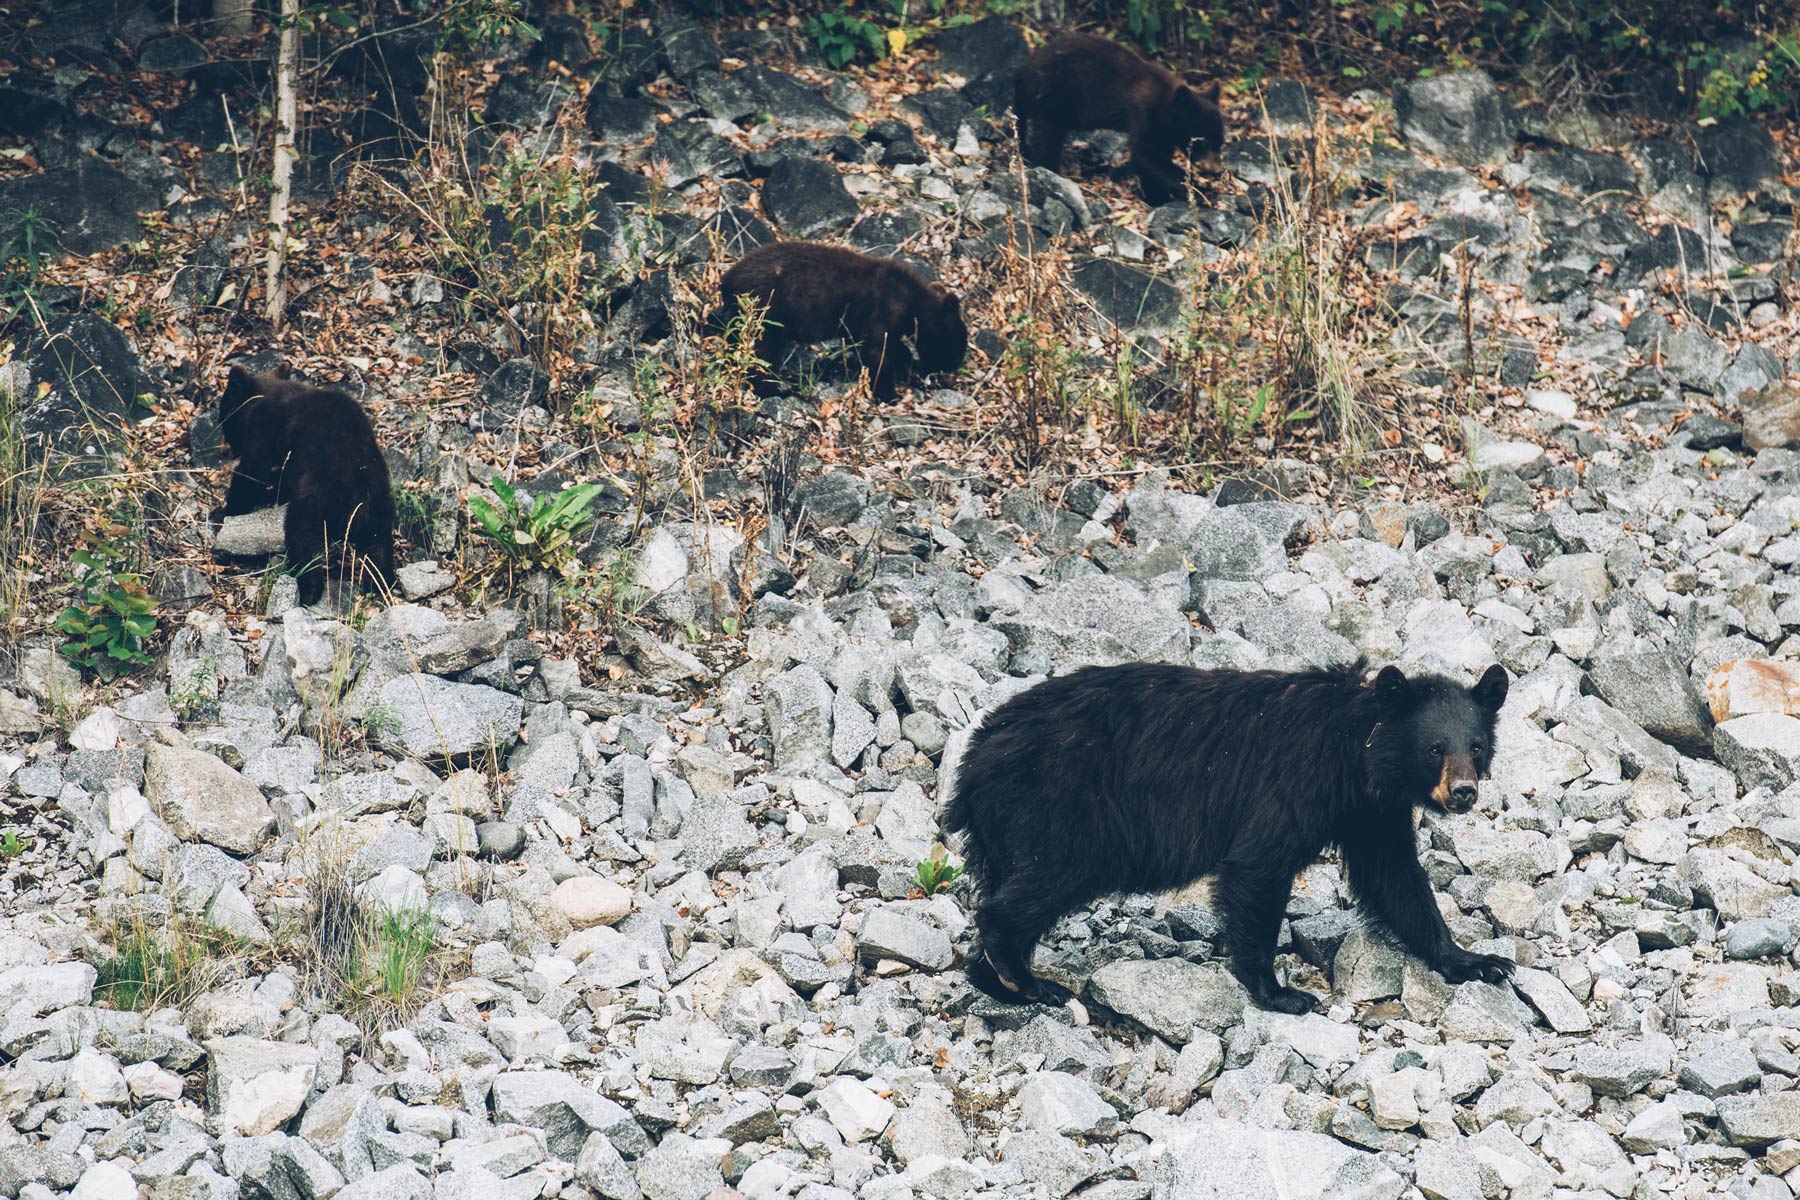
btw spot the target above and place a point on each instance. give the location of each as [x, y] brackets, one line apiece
[255, 1087]
[854, 1110]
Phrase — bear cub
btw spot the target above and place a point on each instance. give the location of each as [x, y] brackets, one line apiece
[314, 450]
[1082, 81]
[810, 292]
[1144, 778]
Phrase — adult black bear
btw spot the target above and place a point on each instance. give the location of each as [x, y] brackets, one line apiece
[314, 450]
[1145, 778]
[1082, 81]
[809, 292]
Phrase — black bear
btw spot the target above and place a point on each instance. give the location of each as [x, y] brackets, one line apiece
[1146, 778]
[1082, 81]
[809, 292]
[314, 450]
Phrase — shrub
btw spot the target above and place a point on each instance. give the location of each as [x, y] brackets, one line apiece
[114, 618]
[540, 535]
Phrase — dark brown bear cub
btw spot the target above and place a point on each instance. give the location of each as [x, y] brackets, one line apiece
[1080, 81]
[1145, 778]
[313, 450]
[808, 292]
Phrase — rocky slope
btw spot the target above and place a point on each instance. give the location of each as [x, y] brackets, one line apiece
[683, 946]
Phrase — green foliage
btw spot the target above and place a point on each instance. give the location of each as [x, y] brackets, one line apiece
[381, 719]
[12, 845]
[157, 968]
[540, 535]
[476, 24]
[935, 871]
[28, 241]
[398, 948]
[842, 36]
[114, 618]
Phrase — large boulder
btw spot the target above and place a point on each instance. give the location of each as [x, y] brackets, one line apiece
[1460, 117]
[203, 799]
[806, 197]
[79, 393]
[90, 206]
[1231, 1158]
[423, 716]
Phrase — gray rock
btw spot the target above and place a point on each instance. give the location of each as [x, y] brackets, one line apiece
[253, 534]
[1652, 688]
[202, 798]
[1622, 1070]
[798, 704]
[32, 990]
[806, 197]
[254, 1087]
[429, 717]
[1546, 993]
[1694, 359]
[1723, 1069]
[1230, 1158]
[1760, 937]
[565, 1110]
[1171, 996]
[1053, 1102]
[1459, 116]
[1755, 1122]
[889, 934]
[1762, 750]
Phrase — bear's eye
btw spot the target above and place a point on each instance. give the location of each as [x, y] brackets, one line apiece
[1477, 749]
[1437, 752]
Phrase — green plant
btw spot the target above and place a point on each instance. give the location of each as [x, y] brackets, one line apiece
[12, 845]
[936, 872]
[197, 695]
[114, 618]
[399, 949]
[472, 26]
[165, 966]
[381, 720]
[29, 239]
[540, 535]
[842, 36]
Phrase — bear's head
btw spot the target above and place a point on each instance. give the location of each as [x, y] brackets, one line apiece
[1195, 119]
[943, 339]
[244, 392]
[1434, 737]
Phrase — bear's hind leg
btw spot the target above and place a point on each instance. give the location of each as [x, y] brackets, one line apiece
[303, 530]
[1252, 898]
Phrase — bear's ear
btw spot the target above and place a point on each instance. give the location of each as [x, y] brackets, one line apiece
[1490, 692]
[240, 385]
[1212, 93]
[1391, 688]
[284, 372]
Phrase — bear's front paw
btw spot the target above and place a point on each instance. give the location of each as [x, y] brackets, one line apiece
[1284, 1000]
[1463, 966]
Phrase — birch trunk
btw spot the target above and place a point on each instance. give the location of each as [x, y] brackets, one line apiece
[287, 106]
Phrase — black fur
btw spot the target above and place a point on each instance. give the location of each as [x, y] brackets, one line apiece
[810, 292]
[314, 450]
[1083, 81]
[1146, 778]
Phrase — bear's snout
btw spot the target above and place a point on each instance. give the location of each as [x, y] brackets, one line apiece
[1456, 791]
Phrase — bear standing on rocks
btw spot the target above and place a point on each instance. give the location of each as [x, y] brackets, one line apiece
[809, 292]
[313, 450]
[1146, 778]
[1082, 81]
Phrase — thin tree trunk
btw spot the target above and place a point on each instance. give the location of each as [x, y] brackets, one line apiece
[232, 17]
[287, 106]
